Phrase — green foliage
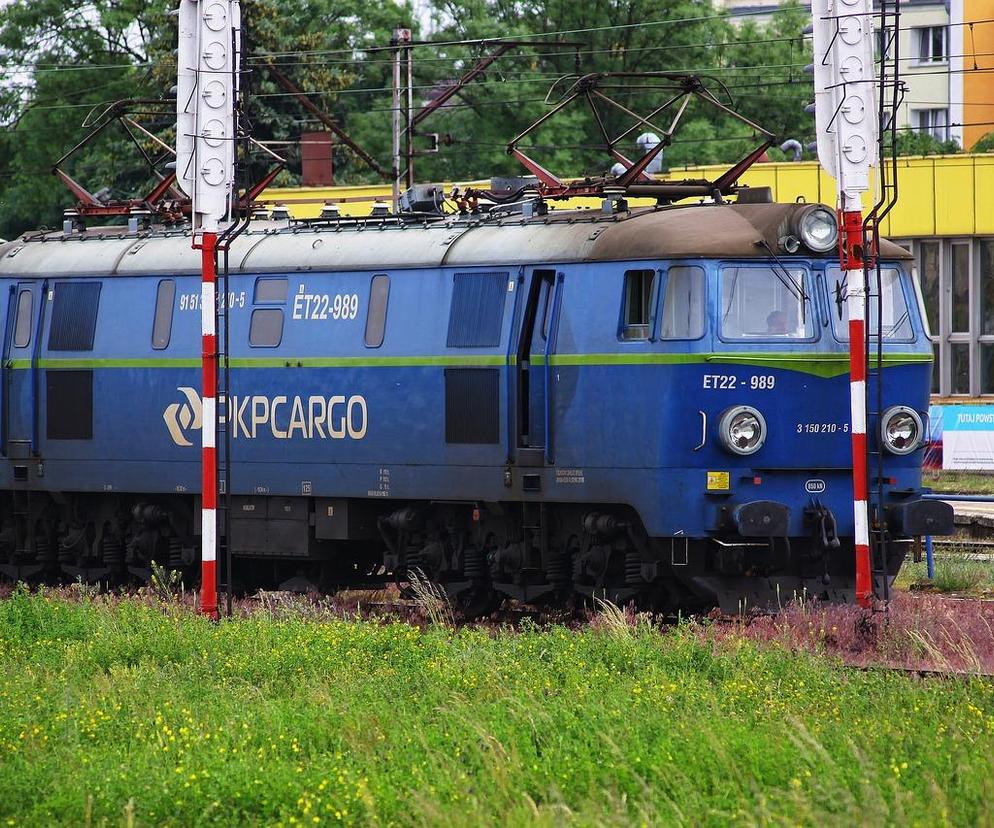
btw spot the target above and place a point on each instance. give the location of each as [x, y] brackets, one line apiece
[64, 58]
[113, 711]
[957, 482]
[61, 59]
[910, 142]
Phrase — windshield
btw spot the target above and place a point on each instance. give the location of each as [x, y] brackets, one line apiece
[896, 317]
[764, 303]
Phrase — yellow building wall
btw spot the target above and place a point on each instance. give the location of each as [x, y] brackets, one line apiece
[949, 195]
[977, 44]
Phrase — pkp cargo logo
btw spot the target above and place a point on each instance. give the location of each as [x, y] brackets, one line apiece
[318, 416]
[184, 416]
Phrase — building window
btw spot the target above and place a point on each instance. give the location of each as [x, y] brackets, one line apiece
[637, 316]
[884, 42]
[986, 286]
[986, 368]
[934, 122]
[960, 285]
[960, 380]
[931, 44]
[928, 273]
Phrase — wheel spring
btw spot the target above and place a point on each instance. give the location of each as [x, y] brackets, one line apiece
[113, 552]
[633, 567]
[175, 553]
[474, 563]
[414, 563]
[44, 551]
[558, 568]
[67, 551]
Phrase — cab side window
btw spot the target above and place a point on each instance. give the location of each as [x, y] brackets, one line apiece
[162, 324]
[636, 312]
[22, 323]
[683, 304]
[376, 314]
[266, 327]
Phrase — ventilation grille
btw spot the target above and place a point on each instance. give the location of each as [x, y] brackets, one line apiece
[74, 316]
[472, 400]
[477, 310]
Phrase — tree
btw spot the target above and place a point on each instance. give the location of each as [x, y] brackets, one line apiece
[63, 57]
[66, 57]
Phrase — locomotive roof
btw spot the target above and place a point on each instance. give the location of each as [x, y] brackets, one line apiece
[699, 231]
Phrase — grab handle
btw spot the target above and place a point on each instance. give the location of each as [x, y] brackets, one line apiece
[704, 430]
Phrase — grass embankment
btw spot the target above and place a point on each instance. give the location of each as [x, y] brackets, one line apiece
[956, 482]
[129, 712]
[955, 574]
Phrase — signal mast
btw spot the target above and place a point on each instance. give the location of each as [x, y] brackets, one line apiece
[847, 134]
[207, 85]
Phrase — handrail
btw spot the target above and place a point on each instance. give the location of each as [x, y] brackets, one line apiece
[35, 356]
[549, 346]
[512, 342]
[5, 370]
[704, 430]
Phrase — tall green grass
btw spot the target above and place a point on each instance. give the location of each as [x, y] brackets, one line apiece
[124, 712]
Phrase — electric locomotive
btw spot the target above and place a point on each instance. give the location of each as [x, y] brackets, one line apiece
[646, 404]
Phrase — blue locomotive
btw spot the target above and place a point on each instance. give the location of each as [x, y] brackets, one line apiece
[646, 404]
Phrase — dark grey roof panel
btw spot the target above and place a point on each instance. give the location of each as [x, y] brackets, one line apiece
[707, 231]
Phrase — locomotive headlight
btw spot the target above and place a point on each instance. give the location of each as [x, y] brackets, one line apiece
[818, 228]
[901, 429]
[742, 430]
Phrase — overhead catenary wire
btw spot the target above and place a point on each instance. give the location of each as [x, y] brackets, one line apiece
[731, 86]
[740, 85]
[263, 57]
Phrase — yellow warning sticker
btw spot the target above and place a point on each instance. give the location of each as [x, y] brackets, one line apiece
[718, 481]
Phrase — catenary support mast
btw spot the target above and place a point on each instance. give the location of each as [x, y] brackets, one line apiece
[209, 31]
[846, 115]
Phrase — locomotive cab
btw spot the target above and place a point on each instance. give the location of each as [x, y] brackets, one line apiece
[776, 441]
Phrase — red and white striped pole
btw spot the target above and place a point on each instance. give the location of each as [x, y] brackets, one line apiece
[848, 132]
[206, 126]
[851, 255]
[208, 517]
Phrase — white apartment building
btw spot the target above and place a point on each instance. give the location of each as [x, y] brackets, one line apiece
[934, 58]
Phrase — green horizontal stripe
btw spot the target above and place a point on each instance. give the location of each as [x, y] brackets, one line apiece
[150, 362]
[368, 362]
[823, 365]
